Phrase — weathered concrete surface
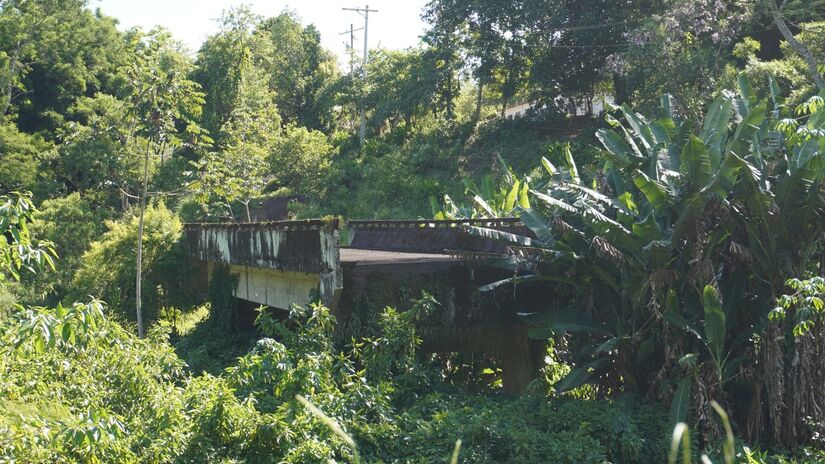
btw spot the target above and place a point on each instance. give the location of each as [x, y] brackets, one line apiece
[294, 248]
[287, 245]
[273, 288]
[361, 257]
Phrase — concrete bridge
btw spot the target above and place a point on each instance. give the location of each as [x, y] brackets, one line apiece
[297, 262]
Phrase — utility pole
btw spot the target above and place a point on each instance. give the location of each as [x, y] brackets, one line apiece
[351, 33]
[365, 12]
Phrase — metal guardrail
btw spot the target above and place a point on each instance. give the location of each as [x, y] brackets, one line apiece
[433, 236]
[434, 223]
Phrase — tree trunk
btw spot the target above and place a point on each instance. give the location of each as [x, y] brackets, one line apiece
[248, 215]
[450, 96]
[477, 116]
[14, 63]
[139, 260]
[797, 46]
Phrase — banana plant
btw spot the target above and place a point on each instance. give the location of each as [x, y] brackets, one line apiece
[730, 200]
[488, 199]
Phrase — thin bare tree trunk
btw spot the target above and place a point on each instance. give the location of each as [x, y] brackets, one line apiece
[477, 115]
[798, 46]
[139, 260]
[10, 84]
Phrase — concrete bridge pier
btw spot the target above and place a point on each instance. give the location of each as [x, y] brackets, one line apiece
[520, 357]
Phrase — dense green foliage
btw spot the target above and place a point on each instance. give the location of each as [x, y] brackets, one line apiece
[673, 258]
[108, 270]
[130, 400]
[683, 249]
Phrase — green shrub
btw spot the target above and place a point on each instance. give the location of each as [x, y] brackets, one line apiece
[71, 223]
[107, 269]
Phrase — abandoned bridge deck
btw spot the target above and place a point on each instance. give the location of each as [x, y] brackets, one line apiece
[291, 262]
[279, 264]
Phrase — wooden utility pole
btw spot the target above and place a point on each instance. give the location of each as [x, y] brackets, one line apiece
[365, 12]
[351, 47]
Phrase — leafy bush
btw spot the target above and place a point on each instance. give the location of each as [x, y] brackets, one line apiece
[673, 256]
[301, 160]
[107, 269]
[71, 223]
[99, 394]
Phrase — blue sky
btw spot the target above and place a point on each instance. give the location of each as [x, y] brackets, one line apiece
[397, 24]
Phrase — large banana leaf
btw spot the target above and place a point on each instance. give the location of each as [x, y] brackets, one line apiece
[656, 193]
[569, 320]
[538, 224]
[640, 127]
[792, 191]
[743, 137]
[619, 150]
[746, 89]
[577, 377]
[715, 130]
[571, 165]
[501, 235]
[510, 281]
[548, 166]
[486, 207]
[696, 167]
[512, 196]
[663, 129]
[647, 230]
[691, 213]
[681, 401]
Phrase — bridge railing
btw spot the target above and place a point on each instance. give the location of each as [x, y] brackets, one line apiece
[433, 236]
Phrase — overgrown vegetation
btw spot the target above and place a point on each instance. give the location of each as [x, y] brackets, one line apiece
[683, 248]
[102, 395]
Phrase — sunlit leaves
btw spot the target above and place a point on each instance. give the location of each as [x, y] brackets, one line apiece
[18, 250]
[811, 106]
[806, 304]
[41, 328]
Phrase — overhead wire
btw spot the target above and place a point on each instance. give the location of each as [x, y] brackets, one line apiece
[493, 38]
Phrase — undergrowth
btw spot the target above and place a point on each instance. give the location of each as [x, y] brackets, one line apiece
[102, 395]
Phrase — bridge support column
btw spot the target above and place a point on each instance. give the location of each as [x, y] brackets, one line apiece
[520, 360]
[520, 357]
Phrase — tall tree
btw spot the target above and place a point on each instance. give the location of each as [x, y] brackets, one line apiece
[681, 49]
[164, 105]
[402, 86]
[570, 43]
[221, 61]
[239, 170]
[446, 18]
[778, 15]
[53, 52]
[300, 69]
